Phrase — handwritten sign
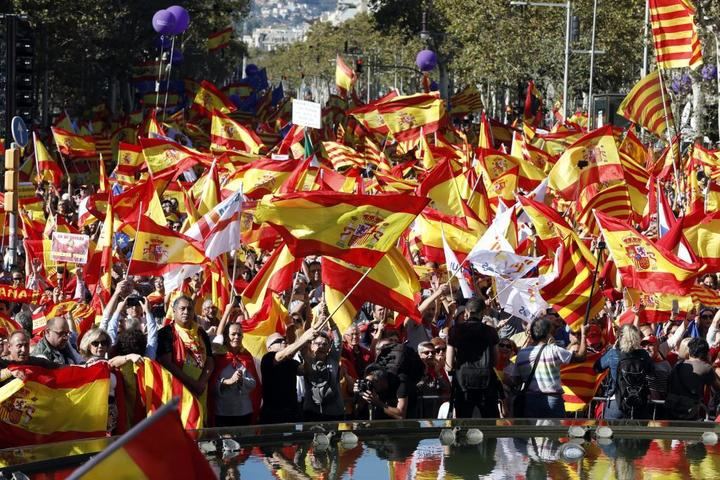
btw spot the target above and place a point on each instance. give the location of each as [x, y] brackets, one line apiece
[306, 114]
[69, 248]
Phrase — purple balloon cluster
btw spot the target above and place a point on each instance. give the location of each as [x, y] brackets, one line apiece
[171, 21]
[709, 72]
[681, 85]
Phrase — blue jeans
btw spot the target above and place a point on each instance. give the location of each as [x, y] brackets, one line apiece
[541, 405]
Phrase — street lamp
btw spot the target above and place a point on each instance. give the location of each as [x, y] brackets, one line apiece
[568, 11]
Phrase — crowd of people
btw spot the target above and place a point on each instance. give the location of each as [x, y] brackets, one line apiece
[466, 358]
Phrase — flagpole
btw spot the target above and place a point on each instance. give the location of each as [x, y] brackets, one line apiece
[137, 228]
[600, 248]
[157, 83]
[67, 172]
[124, 439]
[234, 271]
[667, 122]
[347, 295]
[167, 82]
[37, 162]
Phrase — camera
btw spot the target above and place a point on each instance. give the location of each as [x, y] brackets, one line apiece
[365, 385]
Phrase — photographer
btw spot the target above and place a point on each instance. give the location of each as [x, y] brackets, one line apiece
[383, 393]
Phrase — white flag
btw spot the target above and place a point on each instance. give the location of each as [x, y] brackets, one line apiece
[219, 229]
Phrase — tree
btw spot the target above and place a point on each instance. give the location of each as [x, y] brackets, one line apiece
[89, 48]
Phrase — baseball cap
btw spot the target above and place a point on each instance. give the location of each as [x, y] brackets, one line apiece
[273, 338]
[650, 339]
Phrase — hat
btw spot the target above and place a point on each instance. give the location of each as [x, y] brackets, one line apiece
[594, 334]
[273, 338]
[650, 339]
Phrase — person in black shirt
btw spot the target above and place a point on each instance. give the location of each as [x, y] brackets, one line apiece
[279, 371]
[470, 358]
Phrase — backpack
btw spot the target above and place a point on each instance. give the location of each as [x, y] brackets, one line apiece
[477, 374]
[632, 389]
[401, 359]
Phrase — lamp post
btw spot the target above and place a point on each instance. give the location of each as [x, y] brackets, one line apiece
[568, 12]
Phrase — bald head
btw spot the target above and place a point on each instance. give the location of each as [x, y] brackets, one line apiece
[57, 332]
[19, 346]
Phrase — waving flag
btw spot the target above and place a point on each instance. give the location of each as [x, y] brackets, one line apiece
[140, 455]
[532, 113]
[466, 101]
[227, 134]
[407, 117]
[48, 169]
[703, 236]
[674, 34]
[165, 158]
[344, 77]
[220, 39]
[209, 98]
[72, 145]
[159, 249]
[580, 382]
[355, 228]
[642, 264]
[594, 158]
[55, 405]
[276, 275]
[219, 229]
[644, 105]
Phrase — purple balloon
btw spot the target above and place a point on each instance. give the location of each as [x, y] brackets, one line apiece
[182, 19]
[163, 22]
[426, 60]
[251, 70]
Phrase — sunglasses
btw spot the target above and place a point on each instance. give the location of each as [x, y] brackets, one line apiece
[279, 340]
[504, 345]
[440, 350]
[98, 343]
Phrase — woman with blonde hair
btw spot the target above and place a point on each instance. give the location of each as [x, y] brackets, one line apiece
[629, 365]
[95, 345]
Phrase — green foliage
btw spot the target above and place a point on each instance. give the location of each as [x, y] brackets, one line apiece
[315, 57]
[91, 44]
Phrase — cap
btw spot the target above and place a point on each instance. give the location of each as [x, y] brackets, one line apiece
[272, 339]
[650, 339]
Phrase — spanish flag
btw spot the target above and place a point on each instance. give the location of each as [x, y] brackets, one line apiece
[276, 275]
[355, 228]
[703, 235]
[53, 405]
[430, 227]
[644, 265]
[8, 325]
[209, 98]
[72, 145]
[227, 134]
[344, 77]
[408, 117]
[158, 250]
[270, 318]
[129, 162]
[140, 454]
[48, 169]
[657, 307]
[260, 177]
[392, 283]
[164, 157]
[532, 113]
[220, 39]
[594, 158]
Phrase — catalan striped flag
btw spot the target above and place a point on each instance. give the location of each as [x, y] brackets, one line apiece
[569, 293]
[342, 156]
[705, 296]
[355, 228]
[613, 201]
[53, 405]
[466, 101]
[580, 383]
[644, 105]
[674, 33]
[220, 39]
[344, 77]
[157, 386]
[139, 455]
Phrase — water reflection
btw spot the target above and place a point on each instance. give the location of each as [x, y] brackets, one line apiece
[386, 456]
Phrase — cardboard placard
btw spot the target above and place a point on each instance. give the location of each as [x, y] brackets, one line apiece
[306, 114]
[69, 248]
